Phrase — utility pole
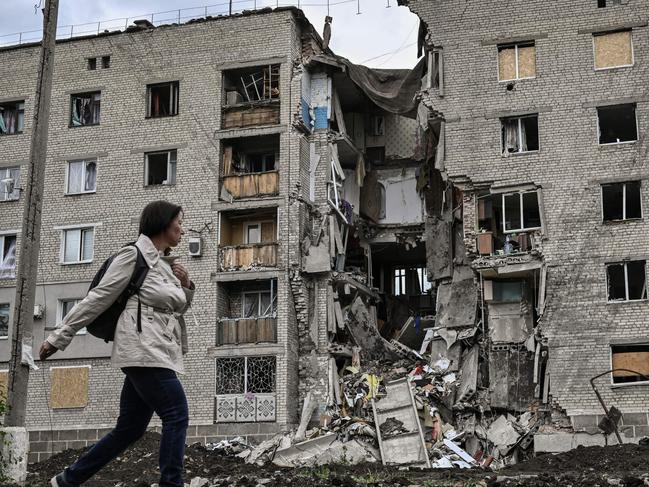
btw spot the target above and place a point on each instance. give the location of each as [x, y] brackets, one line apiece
[23, 322]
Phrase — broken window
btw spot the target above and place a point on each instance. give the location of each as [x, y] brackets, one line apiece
[626, 281]
[65, 306]
[160, 168]
[520, 212]
[245, 375]
[520, 134]
[86, 109]
[92, 64]
[516, 61]
[12, 117]
[436, 70]
[105, 62]
[162, 99]
[634, 358]
[5, 309]
[621, 201]
[9, 183]
[411, 281]
[257, 304]
[77, 245]
[507, 291]
[617, 124]
[8, 254]
[82, 177]
[251, 84]
[613, 49]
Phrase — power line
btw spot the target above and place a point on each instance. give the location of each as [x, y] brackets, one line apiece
[388, 53]
[402, 44]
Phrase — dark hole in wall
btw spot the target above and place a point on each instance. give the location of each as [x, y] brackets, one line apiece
[158, 167]
[631, 278]
[636, 277]
[601, 3]
[92, 63]
[617, 124]
[105, 62]
[163, 99]
[616, 286]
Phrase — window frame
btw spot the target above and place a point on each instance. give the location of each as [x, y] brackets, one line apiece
[85, 172]
[624, 384]
[85, 94]
[273, 304]
[519, 119]
[626, 282]
[8, 305]
[245, 376]
[3, 243]
[20, 111]
[6, 174]
[624, 186]
[516, 46]
[171, 162]
[80, 228]
[599, 128]
[620, 66]
[59, 312]
[523, 229]
[174, 95]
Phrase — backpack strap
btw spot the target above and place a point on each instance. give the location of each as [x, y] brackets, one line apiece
[137, 278]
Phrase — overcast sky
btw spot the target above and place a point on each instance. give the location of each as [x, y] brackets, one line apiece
[379, 36]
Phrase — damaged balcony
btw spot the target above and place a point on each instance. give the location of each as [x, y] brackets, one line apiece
[248, 240]
[252, 97]
[249, 167]
[248, 313]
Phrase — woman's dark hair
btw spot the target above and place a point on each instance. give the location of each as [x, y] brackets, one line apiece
[157, 216]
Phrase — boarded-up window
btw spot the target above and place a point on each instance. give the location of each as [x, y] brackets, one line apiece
[632, 358]
[613, 49]
[516, 61]
[69, 387]
[4, 380]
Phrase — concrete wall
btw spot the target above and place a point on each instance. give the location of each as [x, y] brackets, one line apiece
[194, 55]
[570, 165]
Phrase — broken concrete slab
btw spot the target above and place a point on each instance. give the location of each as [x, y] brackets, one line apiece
[469, 382]
[510, 322]
[502, 434]
[326, 450]
[317, 260]
[438, 247]
[365, 333]
[458, 301]
[511, 378]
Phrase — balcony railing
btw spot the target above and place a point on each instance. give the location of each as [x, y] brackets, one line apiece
[246, 330]
[251, 115]
[251, 185]
[240, 257]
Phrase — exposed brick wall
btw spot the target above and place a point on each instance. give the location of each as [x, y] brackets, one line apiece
[569, 166]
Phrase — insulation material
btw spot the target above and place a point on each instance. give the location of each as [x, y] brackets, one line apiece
[637, 361]
[69, 387]
[507, 63]
[251, 185]
[527, 62]
[613, 49]
[457, 302]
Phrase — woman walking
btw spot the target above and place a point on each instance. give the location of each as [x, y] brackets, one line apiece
[147, 348]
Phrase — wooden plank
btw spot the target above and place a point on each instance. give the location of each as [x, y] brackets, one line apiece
[69, 387]
[339, 242]
[268, 232]
[4, 380]
[637, 361]
[227, 160]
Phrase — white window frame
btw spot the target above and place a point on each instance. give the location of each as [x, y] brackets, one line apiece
[399, 281]
[626, 282]
[59, 312]
[516, 47]
[624, 218]
[424, 284]
[273, 303]
[520, 135]
[85, 173]
[601, 34]
[63, 229]
[246, 234]
[623, 384]
[170, 165]
[3, 236]
[174, 98]
[637, 125]
[6, 337]
[5, 173]
[520, 199]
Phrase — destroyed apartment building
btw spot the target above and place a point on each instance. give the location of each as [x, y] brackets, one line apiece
[420, 266]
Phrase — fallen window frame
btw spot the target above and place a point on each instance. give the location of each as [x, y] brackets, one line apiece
[626, 299]
[625, 192]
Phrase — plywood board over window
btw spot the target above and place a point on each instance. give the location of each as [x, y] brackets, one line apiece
[526, 61]
[69, 387]
[613, 49]
[4, 381]
[507, 63]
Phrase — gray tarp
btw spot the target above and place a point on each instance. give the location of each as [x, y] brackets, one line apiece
[394, 90]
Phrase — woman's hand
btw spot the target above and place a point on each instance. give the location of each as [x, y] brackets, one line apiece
[46, 350]
[181, 273]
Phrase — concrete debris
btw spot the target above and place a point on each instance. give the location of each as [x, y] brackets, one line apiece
[326, 450]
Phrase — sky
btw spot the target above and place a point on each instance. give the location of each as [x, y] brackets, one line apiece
[384, 35]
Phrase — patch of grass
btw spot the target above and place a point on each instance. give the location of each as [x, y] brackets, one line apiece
[320, 473]
[370, 478]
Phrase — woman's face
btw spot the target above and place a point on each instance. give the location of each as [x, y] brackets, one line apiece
[175, 231]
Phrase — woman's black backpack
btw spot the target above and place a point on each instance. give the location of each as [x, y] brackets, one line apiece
[104, 325]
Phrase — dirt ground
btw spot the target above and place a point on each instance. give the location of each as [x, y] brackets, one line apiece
[625, 466]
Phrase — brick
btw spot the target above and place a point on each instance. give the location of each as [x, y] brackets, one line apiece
[635, 418]
[40, 446]
[67, 435]
[32, 458]
[89, 434]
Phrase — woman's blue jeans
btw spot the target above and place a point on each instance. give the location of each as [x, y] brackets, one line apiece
[146, 390]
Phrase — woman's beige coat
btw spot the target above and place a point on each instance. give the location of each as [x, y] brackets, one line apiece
[163, 340]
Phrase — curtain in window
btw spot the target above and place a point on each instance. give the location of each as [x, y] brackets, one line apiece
[510, 142]
[88, 242]
[14, 174]
[72, 244]
[8, 264]
[10, 121]
[75, 177]
[91, 176]
[250, 305]
[523, 140]
[3, 125]
[4, 320]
